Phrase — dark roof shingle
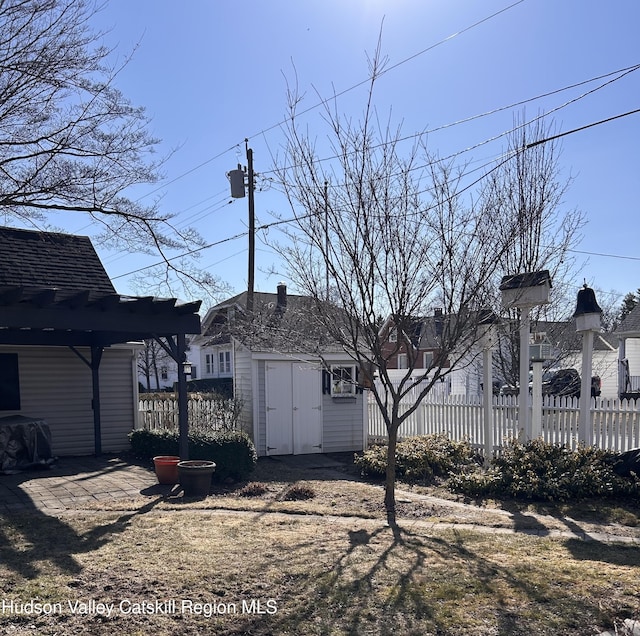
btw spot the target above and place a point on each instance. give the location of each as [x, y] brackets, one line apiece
[49, 259]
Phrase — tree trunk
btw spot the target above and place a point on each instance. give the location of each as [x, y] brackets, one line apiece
[390, 483]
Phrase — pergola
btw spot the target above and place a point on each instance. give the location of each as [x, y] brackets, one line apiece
[76, 306]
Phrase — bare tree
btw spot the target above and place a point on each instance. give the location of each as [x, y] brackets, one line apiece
[382, 232]
[152, 358]
[525, 191]
[69, 139]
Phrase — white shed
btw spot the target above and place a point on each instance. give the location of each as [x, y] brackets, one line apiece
[295, 404]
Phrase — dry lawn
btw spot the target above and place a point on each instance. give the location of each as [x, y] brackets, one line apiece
[327, 565]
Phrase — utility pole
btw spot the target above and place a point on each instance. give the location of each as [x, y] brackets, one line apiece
[252, 231]
[236, 178]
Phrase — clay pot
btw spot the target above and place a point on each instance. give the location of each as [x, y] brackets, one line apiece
[166, 469]
[195, 477]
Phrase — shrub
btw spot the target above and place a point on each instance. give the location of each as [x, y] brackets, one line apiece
[253, 489]
[148, 444]
[232, 451]
[298, 492]
[418, 459]
[541, 471]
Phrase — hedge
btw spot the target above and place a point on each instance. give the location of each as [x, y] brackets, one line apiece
[232, 451]
[537, 470]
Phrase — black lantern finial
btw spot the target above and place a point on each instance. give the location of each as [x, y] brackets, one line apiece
[587, 303]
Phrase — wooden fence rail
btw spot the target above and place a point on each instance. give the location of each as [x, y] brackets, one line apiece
[615, 423]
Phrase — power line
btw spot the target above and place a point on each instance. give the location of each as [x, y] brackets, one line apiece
[343, 92]
[570, 132]
[506, 158]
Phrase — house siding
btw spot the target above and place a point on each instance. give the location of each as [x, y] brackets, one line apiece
[55, 385]
[342, 424]
[243, 387]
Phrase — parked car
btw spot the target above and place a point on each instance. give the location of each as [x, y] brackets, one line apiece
[566, 382]
[562, 382]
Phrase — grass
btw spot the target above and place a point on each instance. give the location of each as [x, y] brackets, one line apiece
[332, 568]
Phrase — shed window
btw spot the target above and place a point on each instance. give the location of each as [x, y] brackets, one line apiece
[9, 382]
[343, 380]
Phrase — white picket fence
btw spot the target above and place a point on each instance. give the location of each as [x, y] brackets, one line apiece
[615, 423]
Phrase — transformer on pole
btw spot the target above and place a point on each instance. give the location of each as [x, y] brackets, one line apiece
[237, 181]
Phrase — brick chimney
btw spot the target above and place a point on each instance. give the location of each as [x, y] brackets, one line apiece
[281, 304]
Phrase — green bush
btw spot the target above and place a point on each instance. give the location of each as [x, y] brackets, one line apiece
[418, 459]
[541, 471]
[232, 451]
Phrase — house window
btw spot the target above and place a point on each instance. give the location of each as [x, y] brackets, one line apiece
[393, 335]
[164, 373]
[9, 382]
[194, 372]
[208, 364]
[225, 361]
[343, 381]
[402, 361]
[427, 359]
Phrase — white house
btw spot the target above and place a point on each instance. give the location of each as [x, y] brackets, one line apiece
[628, 334]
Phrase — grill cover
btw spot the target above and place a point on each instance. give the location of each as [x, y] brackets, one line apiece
[25, 442]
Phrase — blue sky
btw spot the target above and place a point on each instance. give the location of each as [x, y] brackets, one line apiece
[212, 73]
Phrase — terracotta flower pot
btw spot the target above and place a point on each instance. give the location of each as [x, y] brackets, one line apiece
[166, 469]
[195, 477]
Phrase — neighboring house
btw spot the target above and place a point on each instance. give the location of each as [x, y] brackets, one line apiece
[628, 335]
[466, 379]
[300, 392]
[212, 350]
[66, 352]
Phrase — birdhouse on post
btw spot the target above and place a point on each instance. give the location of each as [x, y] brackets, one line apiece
[526, 290]
[523, 292]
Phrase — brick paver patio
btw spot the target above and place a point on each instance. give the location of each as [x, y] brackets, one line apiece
[72, 482]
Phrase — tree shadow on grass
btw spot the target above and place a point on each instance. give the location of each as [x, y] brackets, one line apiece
[393, 581]
[613, 553]
[32, 540]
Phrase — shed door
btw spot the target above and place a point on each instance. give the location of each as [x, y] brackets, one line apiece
[279, 417]
[307, 409]
[294, 408]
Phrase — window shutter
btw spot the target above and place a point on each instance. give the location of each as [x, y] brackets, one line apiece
[326, 382]
[359, 388]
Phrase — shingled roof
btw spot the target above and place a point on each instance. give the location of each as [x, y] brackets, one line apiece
[630, 326]
[48, 259]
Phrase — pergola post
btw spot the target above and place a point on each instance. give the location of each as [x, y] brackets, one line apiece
[96, 357]
[183, 414]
